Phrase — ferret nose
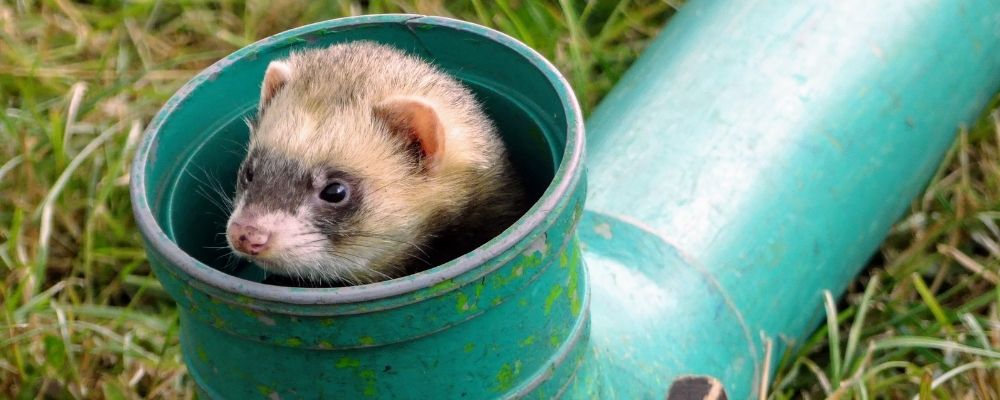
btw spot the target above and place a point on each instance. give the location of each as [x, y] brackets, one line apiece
[248, 238]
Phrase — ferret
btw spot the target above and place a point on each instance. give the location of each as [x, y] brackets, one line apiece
[366, 164]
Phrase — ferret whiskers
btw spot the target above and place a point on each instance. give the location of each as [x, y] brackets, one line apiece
[221, 201]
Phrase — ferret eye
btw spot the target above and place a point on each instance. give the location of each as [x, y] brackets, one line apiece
[336, 193]
[248, 174]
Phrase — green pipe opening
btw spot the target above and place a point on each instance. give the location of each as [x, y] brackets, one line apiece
[506, 319]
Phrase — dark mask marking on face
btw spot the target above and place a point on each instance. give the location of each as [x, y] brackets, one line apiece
[270, 182]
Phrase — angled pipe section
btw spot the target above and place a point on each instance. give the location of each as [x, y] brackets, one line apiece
[756, 155]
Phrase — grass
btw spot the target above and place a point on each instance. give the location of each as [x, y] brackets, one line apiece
[83, 317]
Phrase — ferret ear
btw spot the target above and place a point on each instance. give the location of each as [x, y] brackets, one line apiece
[278, 74]
[418, 120]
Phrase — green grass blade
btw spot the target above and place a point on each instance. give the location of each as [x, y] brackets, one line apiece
[933, 343]
[859, 321]
[932, 303]
[833, 331]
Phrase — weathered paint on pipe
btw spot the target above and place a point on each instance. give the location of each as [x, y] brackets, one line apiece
[757, 154]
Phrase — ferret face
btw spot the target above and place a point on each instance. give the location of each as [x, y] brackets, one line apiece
[336, 189]
[303, 221]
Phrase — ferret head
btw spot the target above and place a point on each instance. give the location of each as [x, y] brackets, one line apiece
[340, 182]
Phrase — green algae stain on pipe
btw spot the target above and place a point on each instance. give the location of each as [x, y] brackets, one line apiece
[507, 376]
[554, 294]
[347, 362]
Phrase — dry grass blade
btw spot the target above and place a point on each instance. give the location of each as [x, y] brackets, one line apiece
[968, 263]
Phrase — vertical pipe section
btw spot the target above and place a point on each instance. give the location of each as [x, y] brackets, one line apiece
[767, 146]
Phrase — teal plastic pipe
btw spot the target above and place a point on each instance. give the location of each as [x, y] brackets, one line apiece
[755, 156]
